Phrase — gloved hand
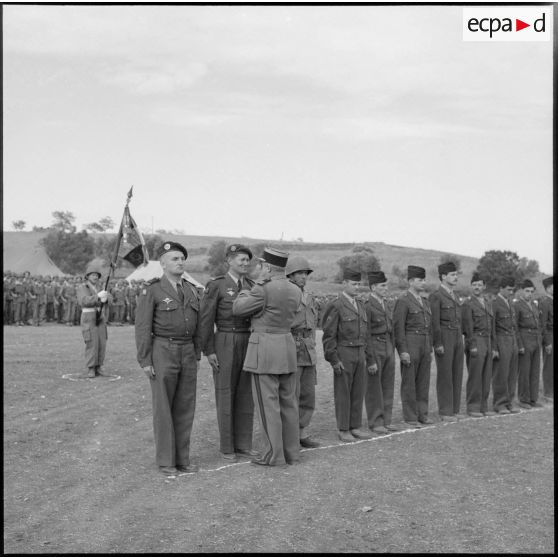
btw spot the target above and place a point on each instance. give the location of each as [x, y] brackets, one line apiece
[103, 296]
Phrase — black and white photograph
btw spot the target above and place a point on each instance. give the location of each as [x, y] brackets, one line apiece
[278, 278]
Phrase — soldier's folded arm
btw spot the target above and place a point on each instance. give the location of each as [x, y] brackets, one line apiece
[208, 311]
[329, 339]
[249, 302]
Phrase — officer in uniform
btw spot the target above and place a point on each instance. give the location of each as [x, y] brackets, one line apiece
[478, 328]
[529, 340]
[225, 350]
[504, 377]
[348, 349]
[412, 323]
[168, 350]
[93, 327]
[547, 327]
[304, 334]
[69, 295]
[271, 358]
[448, 343]
[378, 398]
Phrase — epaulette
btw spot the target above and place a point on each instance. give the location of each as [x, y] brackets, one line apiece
[262, 281]
[152, 281]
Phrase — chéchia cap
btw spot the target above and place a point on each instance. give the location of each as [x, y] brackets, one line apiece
[547, 281]
[507, 282]
[476, 277]
[351, 275]
[446, 267]
[527, 283]
[275, 257]
[416, 272]
[169, 246]
[297, 263]
[375, 277]
[234, 249]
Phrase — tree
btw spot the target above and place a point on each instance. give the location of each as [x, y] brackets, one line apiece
[102, 225]
[361, 259]
[445, 258]
[496, 264]
[400, 276]
[70, 251]
[18, 225]
[216, 264]
[64, 221]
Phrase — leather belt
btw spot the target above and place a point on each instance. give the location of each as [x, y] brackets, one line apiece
[176, 340]
[233, 329]
[270, 330]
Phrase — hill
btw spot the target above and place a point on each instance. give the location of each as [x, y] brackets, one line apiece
[323, 257]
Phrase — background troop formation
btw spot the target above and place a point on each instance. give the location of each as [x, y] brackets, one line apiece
[260, 341]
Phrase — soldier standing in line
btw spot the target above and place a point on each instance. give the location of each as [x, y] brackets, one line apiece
[8, 300]
[529, 339]
[448, 343]
[225, 350]
[79, 280]
[478, 328]
[169, 351]
[20, 301]
[69, 296]
[271, 358]
[378, 397]
[547, 326]
[93, 327]
[39, 301]
[133, 294]
[28, 287]
[504, 377]
[304, 334]
[119, 303]
[50, 294]
[412, 323]
[348, 349]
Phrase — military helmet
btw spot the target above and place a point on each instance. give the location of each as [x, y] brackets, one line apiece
[92, 268]
[297, 263]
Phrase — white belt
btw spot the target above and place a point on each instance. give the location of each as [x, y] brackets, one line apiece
[88, 310]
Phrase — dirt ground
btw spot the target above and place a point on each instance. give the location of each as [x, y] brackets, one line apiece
[80, 477]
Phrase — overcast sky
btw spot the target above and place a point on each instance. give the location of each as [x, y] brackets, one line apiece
[330, 123]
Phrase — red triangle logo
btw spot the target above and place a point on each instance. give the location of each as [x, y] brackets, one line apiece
[519, 25]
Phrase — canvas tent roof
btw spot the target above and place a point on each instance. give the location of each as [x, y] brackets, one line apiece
[35, 261]
[154, 269]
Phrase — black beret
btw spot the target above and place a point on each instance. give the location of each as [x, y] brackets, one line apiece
[548, 281]
[275, 257]
[415, 271]
[445, 268]
[234, 249]
[375, 277]
[507, 282]
[351, 275]
[527, 283]
[476, 277]
[169, 246]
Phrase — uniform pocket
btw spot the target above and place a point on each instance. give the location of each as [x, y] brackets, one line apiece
[251, 360]
[86, 332]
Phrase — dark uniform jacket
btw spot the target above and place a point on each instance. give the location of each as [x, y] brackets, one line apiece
[304, 330]
[272, 303]
[345, 326]
[409, 316]
[446, 313]
[380, 318]
[547, 319]
[216, 309]
[528, 320]
[478, 321]
[161, 314]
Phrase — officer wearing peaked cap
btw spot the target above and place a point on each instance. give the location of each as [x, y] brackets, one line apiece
[168, 350]
[547, 328]
[271, 357]
[304, 333]
[378, 397]
[93, 327]
[448, 343]
[412, 322]
[224, 340]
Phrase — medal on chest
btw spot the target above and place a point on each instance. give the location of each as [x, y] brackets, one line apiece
[230, 292]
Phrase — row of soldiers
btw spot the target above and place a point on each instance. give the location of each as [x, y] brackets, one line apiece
[260, 341]
[29, 299]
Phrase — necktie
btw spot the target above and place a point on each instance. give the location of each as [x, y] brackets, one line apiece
[239, 284]
[180, 292]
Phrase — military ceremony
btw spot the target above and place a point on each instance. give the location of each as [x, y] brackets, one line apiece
[278, 279]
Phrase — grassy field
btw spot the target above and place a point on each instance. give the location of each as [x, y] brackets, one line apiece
[79, 472]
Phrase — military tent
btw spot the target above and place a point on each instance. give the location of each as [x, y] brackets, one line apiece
[36, 261]
[154, 269]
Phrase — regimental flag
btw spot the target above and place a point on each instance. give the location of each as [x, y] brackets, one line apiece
[131, 246]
